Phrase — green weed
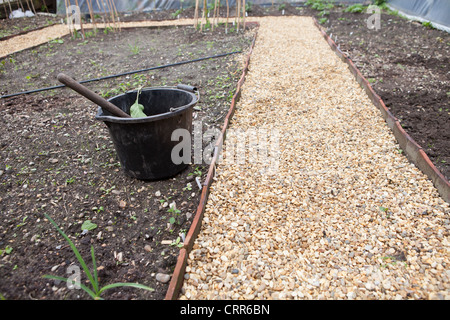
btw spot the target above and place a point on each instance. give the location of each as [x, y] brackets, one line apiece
[95, 292]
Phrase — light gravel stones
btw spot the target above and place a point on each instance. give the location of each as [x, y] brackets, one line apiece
[344, 216]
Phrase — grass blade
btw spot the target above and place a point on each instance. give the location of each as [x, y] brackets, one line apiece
[75, 250]
[82, 286]
[120, 284]
[94, 265]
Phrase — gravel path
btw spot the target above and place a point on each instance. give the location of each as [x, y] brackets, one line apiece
[343, 216]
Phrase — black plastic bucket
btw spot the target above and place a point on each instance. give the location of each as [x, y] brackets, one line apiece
[144, 145]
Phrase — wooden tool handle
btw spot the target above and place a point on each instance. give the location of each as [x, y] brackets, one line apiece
[85, 92]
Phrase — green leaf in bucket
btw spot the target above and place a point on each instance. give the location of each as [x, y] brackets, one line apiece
[137, 109]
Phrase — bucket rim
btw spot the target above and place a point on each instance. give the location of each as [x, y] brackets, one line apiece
[161, 116]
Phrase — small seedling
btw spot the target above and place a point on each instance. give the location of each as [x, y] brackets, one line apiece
[197, 172]
[391, 260]
[175, 213]
[356, 8]
[23, 222]
[428, 24]
[107, 191]
[386, 211]
[96, 291]
[177, 243]
[7, 250]
[188, 187]
[135, 49]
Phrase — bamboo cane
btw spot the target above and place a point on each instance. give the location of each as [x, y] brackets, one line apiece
[196, 14]
[117, 14]
[218, 12]
[244, 13]
[111, 12]
[45, 5]
[20, 3]
[238, 14]
[91, 12]
[28, 5]
[100, 9]
[67, 16]
[228, 15]
[203, 15]
[10, 9]
[107, 22]
[6, 12]
[32, 6]
[81, 21]
[214, 15]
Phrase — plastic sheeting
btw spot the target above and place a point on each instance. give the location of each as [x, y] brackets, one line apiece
[148, 5]
[435, 11]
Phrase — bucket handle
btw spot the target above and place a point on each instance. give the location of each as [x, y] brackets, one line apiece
[188, 88]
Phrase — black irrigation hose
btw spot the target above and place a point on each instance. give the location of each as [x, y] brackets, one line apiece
[125, 73]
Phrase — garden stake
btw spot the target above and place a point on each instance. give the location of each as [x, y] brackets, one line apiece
[20, 2]
[91, 12]
[204, 14]
[238, 14]
[100, 9]
[244, 11]
[228, 15]
[105, 13]
[32, 5]
[81, 21]
[28, 5]
[214, 15]
[111, 11]
[218, 12]
[196, 14]
[115, 12]
[67, 17]
[46, 8]
[10, 9]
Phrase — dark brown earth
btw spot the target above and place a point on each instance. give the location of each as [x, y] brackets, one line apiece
[56, 158]
[12, 27]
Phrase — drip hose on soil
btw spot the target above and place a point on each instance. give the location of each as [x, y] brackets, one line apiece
[125, 73]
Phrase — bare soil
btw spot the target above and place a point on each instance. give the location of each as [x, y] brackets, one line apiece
[55, 158]
[12, 27]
